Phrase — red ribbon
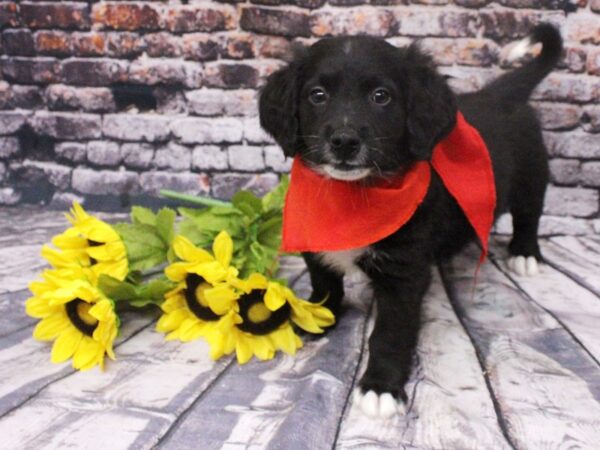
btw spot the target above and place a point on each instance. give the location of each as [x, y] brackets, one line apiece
[323, 214]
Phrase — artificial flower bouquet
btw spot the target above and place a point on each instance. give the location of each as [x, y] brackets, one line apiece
[211, 274]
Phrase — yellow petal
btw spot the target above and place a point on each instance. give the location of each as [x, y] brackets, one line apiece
[263, 348]
[38, 307]
[171, 321]
[274, 298]
[65, 345]
[87, 354]
[243, 350]
[220, 298]
[187, 251]
[50, 327]
[284, 339]
[223, 248]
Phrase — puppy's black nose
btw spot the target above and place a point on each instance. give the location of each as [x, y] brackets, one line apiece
[345, 142]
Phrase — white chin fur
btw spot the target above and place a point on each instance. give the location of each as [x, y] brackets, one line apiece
[345, 175]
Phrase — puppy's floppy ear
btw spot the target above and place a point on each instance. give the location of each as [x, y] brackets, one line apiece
[278, 107]
[431, 105]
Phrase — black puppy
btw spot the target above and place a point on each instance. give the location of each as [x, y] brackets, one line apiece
[355, 108]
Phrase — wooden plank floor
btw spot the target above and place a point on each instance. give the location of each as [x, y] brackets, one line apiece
[508, 362]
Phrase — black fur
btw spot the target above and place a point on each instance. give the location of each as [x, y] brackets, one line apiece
[422, 111]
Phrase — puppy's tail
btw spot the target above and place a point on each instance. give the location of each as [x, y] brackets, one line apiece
[517, 85]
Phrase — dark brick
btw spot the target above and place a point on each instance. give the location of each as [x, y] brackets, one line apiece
[55, 43]
[30, 70]
[353, 21]
[566, 88]
[312, 4]
[8, 15]
[555, 116]
[595, 5]
[26, 97]
[9, 146]
[200, 47]
[186, 18]
[568, 5]
[124, 44]
[593, 61]
[573, 59]
[93, 72]
[267, 2]
[347, 2]
[272, 47]
[18, 42]
[158, 71]
[472, 3]
[11, 121]
[590, 119]
[163, 44]
[225, 185]
[56, 15]
[63, 97]
[89, 44]
[231, 75]
[278, 22]
[435, 22]
[238, 46]
[506, 24]
[66, 125]
[126, 16]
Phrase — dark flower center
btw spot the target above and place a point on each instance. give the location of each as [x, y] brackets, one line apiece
[93, 244]
[257, 318]
[78, 313]
[194, 286]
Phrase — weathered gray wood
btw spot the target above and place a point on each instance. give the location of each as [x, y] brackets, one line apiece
[547, 387]
[585, 248]
[12, 312]
[25, 367]
[583, 271]
[575, 307]
[449, 403]
[153, 377]
[286, 403]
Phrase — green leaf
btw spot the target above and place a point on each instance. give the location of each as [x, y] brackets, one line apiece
[115, 289]
[248, 203]
[152, 292]
[141, 215]
[276, 197]
[269, 232]
[165, 224]
[145, 248]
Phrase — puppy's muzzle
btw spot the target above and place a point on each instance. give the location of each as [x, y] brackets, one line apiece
[344, 144]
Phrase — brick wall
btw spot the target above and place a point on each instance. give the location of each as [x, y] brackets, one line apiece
[127, 97]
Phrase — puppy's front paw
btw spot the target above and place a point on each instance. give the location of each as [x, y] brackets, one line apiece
[378, 406]
[524, 266]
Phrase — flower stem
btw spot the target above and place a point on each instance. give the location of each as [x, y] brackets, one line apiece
[204, 201]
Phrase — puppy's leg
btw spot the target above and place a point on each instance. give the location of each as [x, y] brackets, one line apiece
[326, 283]
[526, 205]
[392, 343]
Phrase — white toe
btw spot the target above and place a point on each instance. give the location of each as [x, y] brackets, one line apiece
[369, 404]
[532, 266]
[387, 405]
[524, 266]
[382, 406]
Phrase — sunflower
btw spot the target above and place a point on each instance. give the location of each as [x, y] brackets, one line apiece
[262, 322]
[203, 295]
[90, 242]
[76, 315]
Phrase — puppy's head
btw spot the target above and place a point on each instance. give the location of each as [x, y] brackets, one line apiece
[358, 107]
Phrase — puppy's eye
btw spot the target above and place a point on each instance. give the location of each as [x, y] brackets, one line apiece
[381, 96]
[317, 96]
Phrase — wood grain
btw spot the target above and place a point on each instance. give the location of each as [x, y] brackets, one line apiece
[546, 385]
[449, 404]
